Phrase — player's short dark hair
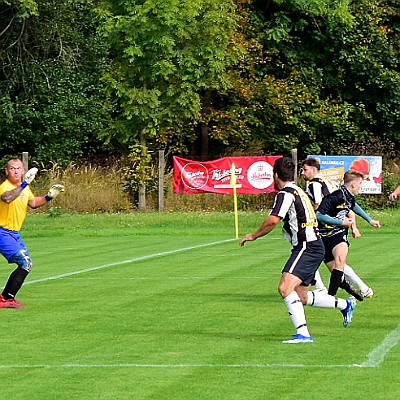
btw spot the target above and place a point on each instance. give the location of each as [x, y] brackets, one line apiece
[351, 175]
[13, 158]
[284, 168]
[311, 162]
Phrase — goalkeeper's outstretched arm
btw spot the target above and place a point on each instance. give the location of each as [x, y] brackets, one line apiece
[53, 192]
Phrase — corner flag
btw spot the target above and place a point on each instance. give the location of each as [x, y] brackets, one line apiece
[233, 184]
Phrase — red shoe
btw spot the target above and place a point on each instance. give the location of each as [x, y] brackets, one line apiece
[9, 303]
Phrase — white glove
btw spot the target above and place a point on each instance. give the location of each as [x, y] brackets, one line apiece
[30, 175]
[55, 190]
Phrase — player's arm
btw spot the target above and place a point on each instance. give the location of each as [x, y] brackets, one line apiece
[267, 226]
[316, 190]
[359, 211]
[327, 208]
[53, 192]
[393, 195]
[311, 192]
[333, 221]
[354, 229]
[11, 195]
[37, 202]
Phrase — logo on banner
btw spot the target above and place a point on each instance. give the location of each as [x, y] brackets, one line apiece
[260, 175]
[194, 175]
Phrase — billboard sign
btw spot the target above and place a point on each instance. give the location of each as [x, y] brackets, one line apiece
[334, 167]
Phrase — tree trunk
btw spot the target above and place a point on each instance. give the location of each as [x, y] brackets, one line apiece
[204, 140]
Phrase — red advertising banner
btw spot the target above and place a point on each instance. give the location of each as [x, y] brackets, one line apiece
[253, 175]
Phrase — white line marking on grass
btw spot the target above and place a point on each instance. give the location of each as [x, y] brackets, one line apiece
[173, 278]
[375, 358]
[167, 366]
[377, 355]
[148, 257]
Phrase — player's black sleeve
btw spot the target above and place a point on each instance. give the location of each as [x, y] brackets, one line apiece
[330, 203]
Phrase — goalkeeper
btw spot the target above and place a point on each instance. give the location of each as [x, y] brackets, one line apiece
[15, 197]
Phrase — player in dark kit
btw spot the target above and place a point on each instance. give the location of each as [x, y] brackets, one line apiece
[334, 222]
[317, 188]
[294, 208]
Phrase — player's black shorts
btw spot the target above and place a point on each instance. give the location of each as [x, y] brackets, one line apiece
[305, 260]
[330, 242]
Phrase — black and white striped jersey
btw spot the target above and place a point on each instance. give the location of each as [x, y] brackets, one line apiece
[318, 188]
[299, 221]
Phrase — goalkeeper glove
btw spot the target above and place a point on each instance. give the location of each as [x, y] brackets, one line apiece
[29, 177]
[54, 191]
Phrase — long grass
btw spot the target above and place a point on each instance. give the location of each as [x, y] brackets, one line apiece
[88, 189]
[99, 189]
[167, 306]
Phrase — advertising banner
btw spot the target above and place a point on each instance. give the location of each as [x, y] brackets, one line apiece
[253, 175]
[334, 167]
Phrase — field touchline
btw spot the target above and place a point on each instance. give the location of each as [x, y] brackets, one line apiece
[377, 355]
[147, 257]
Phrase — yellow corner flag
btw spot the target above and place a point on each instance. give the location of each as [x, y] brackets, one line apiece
[233, 184]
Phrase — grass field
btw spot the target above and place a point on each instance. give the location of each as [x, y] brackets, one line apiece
[169, 306]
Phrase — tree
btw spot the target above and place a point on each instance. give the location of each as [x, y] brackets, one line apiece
[367, 65]
[164, 56]
[318, 75]
[51, 101]
[346, 55]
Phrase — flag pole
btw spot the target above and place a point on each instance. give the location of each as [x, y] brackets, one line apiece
[233, 184]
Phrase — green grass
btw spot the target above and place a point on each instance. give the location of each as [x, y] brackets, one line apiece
[200, 323]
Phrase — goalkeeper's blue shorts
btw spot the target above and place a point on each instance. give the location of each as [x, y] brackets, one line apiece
[10, 243]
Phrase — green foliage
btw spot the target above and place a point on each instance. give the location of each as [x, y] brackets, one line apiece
[319, 76]
[164, 54]
[54, 212]
[137, 171]
[51, 102]
[367, 64]
[346, 61]
[24, 8]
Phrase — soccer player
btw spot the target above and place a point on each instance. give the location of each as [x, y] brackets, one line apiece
[293, 206]
[15, 197]
[317, 188]
[394, 194]
[333, 215]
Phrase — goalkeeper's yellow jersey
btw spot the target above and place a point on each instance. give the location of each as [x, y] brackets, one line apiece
[12, 215]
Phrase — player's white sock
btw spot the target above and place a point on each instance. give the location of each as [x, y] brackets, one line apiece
[296, 312]
[318, 281]
[353, 277]
[324, 300]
